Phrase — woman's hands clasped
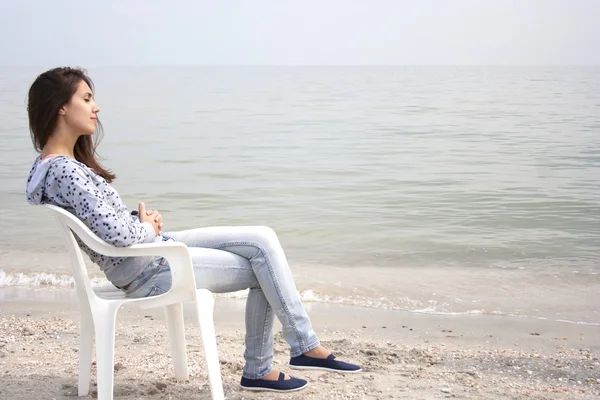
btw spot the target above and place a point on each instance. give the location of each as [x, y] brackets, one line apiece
[151, 216]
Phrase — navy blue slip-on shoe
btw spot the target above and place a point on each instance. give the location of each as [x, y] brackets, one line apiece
[325, 364]
[280, 385]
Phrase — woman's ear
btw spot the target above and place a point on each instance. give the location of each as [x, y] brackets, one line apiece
[62, 111]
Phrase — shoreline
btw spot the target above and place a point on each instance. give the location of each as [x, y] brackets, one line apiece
[404, 355]
[66, 294]
[544, 295]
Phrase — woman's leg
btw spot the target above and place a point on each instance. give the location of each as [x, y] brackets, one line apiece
[234, 258]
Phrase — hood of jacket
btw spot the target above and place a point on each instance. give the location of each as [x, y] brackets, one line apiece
[37, 180]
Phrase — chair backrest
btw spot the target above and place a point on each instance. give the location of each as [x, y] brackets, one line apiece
[70, 225]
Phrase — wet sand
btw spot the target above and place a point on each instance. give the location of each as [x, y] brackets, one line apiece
[404, 355]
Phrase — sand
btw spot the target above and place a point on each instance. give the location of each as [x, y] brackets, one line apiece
[404, 355]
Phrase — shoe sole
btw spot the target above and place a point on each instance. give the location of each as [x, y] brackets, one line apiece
[341, 371]
[260, 389]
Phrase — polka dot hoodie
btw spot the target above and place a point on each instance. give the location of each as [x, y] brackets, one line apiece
[67, 183]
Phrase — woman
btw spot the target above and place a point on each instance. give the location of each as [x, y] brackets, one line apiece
[63, 117]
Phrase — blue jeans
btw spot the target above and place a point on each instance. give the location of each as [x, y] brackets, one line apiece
[228, 259]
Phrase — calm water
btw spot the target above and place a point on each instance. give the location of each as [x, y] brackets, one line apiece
[433, 189]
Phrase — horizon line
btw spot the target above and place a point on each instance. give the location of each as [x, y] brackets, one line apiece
[298, 65]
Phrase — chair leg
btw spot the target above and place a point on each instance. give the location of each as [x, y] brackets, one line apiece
[205, 306]
[105, 352]
[176, 332]
[86, 345]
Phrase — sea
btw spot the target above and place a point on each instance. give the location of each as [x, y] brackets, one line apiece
[441, 190]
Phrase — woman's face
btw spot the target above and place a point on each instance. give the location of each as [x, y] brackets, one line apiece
[80, 113]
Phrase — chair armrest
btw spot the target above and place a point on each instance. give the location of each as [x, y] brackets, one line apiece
[177, 254]
[162, 249]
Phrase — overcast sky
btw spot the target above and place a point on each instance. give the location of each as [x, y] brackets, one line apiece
[371, 32]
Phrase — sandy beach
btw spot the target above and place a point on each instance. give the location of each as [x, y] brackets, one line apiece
[404, 355]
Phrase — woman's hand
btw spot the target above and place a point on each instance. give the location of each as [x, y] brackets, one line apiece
[157, 219]
[151, 216]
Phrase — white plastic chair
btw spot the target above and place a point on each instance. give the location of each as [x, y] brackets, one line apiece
[99, 308]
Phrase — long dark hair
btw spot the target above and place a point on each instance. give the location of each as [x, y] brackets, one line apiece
[48, 93]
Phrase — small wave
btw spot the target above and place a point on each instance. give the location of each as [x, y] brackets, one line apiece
[434, 311]
[566, 321]
[42, 279]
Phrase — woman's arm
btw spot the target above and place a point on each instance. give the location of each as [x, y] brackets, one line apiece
[72, 188]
